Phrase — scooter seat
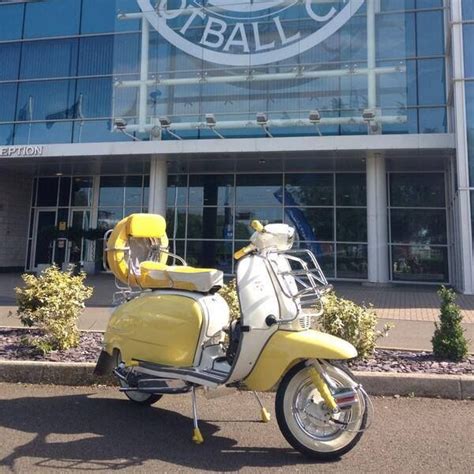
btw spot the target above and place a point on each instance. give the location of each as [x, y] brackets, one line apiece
[159, 275]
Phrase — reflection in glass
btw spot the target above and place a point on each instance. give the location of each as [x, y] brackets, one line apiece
[351, 189]
[177, 190]
[244, 215]
[211, 190]
[12, 21]
[351, 225]
[419, 263]
[210, 223]
[259, 190]
[311, 223]
[309, 189]
[111, 190]
[108, 217]
[133, 190]
[351, 261]
[210, 254]
[418, 226]
[10, 54]
[176, 223]
[81, 192]
[58, 18]
[36, 58]
[417, 190]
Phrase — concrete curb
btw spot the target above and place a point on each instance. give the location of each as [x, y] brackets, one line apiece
[459, 387]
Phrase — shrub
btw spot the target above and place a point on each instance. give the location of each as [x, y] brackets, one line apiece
[53, 302]
[229, 293]
[448, 340]
[351, 322]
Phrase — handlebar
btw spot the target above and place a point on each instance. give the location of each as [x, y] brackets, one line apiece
[244, 251]
[257, 226]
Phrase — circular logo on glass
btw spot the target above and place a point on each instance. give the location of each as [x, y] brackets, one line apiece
[247, 32]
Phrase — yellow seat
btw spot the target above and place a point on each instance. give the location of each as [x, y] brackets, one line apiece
[137, 252]
[158, 275]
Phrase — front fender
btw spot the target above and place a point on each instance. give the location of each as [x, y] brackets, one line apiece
[287, 348]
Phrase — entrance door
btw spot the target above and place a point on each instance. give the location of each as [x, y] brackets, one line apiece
[44, 237]
[79, 248]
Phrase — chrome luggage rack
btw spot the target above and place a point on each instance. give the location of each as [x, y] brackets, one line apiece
[126, 292]
[306, 284]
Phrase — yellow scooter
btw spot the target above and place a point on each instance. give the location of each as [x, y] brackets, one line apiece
[172, 333]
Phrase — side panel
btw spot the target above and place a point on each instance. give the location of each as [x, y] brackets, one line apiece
[257, 301]
[159, 328]
[286, 348]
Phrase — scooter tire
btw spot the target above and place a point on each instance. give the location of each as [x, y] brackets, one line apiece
[288, 433]
[140, 398]
[152, 398]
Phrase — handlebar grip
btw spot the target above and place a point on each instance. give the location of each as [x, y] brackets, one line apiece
[257, 225]
[243, 251]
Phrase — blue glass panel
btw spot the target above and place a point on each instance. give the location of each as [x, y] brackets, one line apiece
[52, 18]
[395, 36]
[395, 5]
[43, 133]
[468, 10]
[10, 54]
[11, 19]
[468, 35]
[431, 82]
[410, 126]
[51, 58]
[96, 55]
[470, 128]
[430, 3]
[429, 33]
[90, 131]
[46, 100]
[6, 134]
[432, 120]
[95, 97]
[127, 53]
[7, 101]
[100, 16]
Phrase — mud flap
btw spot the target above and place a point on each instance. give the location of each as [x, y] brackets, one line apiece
[105, 364]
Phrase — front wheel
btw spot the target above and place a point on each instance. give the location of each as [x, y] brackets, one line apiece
[308, 425]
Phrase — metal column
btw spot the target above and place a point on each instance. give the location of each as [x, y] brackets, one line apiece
[158, 186]
[464, 231]
[377, 240]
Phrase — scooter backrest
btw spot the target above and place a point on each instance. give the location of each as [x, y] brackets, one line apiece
[136, 238]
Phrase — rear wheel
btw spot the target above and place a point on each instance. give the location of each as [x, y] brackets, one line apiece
[308, 425]
[141, 398]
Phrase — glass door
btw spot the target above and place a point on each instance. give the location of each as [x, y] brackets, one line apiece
[44, 237]
[80, 248]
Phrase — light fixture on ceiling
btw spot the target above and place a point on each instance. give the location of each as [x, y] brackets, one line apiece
[262, 120]
[211, 122]
[165, 124]
[120, 124]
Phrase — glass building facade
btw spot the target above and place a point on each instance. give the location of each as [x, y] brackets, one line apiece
[94, 76]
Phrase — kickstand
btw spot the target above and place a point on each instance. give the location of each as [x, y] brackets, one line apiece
[197, 436]
[264, 414]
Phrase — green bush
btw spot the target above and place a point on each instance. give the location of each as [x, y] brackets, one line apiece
[351, 322]
[53, 302]
[229, 293]
[448, 340]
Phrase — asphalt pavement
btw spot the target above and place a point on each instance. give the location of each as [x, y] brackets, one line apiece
[68, 429]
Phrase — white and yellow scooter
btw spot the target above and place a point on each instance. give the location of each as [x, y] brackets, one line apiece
[172, 334]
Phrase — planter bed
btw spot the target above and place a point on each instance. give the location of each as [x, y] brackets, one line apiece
[13, 347]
